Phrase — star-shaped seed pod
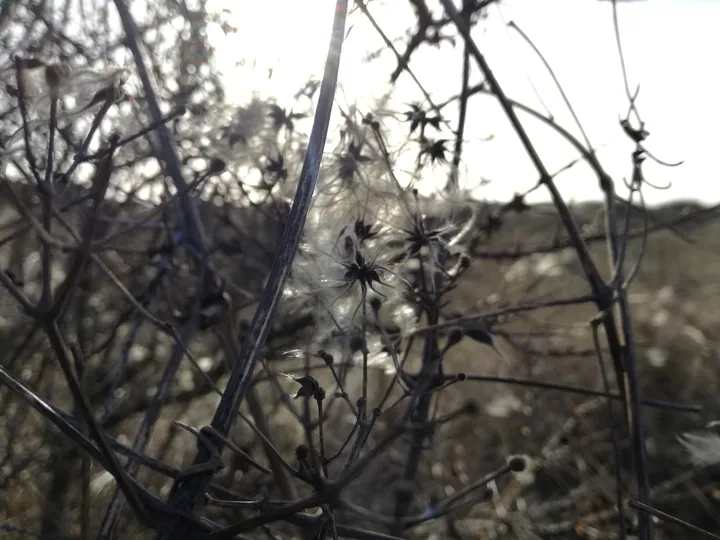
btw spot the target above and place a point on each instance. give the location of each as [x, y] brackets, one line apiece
[309, 387]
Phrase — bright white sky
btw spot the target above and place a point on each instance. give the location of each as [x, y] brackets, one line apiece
[670, 48]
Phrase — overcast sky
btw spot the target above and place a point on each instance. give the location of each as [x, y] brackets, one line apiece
[670, 49]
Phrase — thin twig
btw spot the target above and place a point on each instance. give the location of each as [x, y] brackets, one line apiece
[188, 493]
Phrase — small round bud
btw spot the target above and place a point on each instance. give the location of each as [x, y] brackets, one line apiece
[54, 75]
[377, 411]
[217, 166]
[302, 452]
[523, 469]
[357, 343]
[517, 463]
[460, 377]
[375, 304]
[326, 357]
[114, 139]
[361, 402]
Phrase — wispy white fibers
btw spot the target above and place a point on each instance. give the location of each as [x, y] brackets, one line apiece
[703, 448]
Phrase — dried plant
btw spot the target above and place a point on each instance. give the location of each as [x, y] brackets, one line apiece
[230, 328]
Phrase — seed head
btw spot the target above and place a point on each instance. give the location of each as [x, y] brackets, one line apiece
[517, 463]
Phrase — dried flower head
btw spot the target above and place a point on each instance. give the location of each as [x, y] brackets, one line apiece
[42, 83]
